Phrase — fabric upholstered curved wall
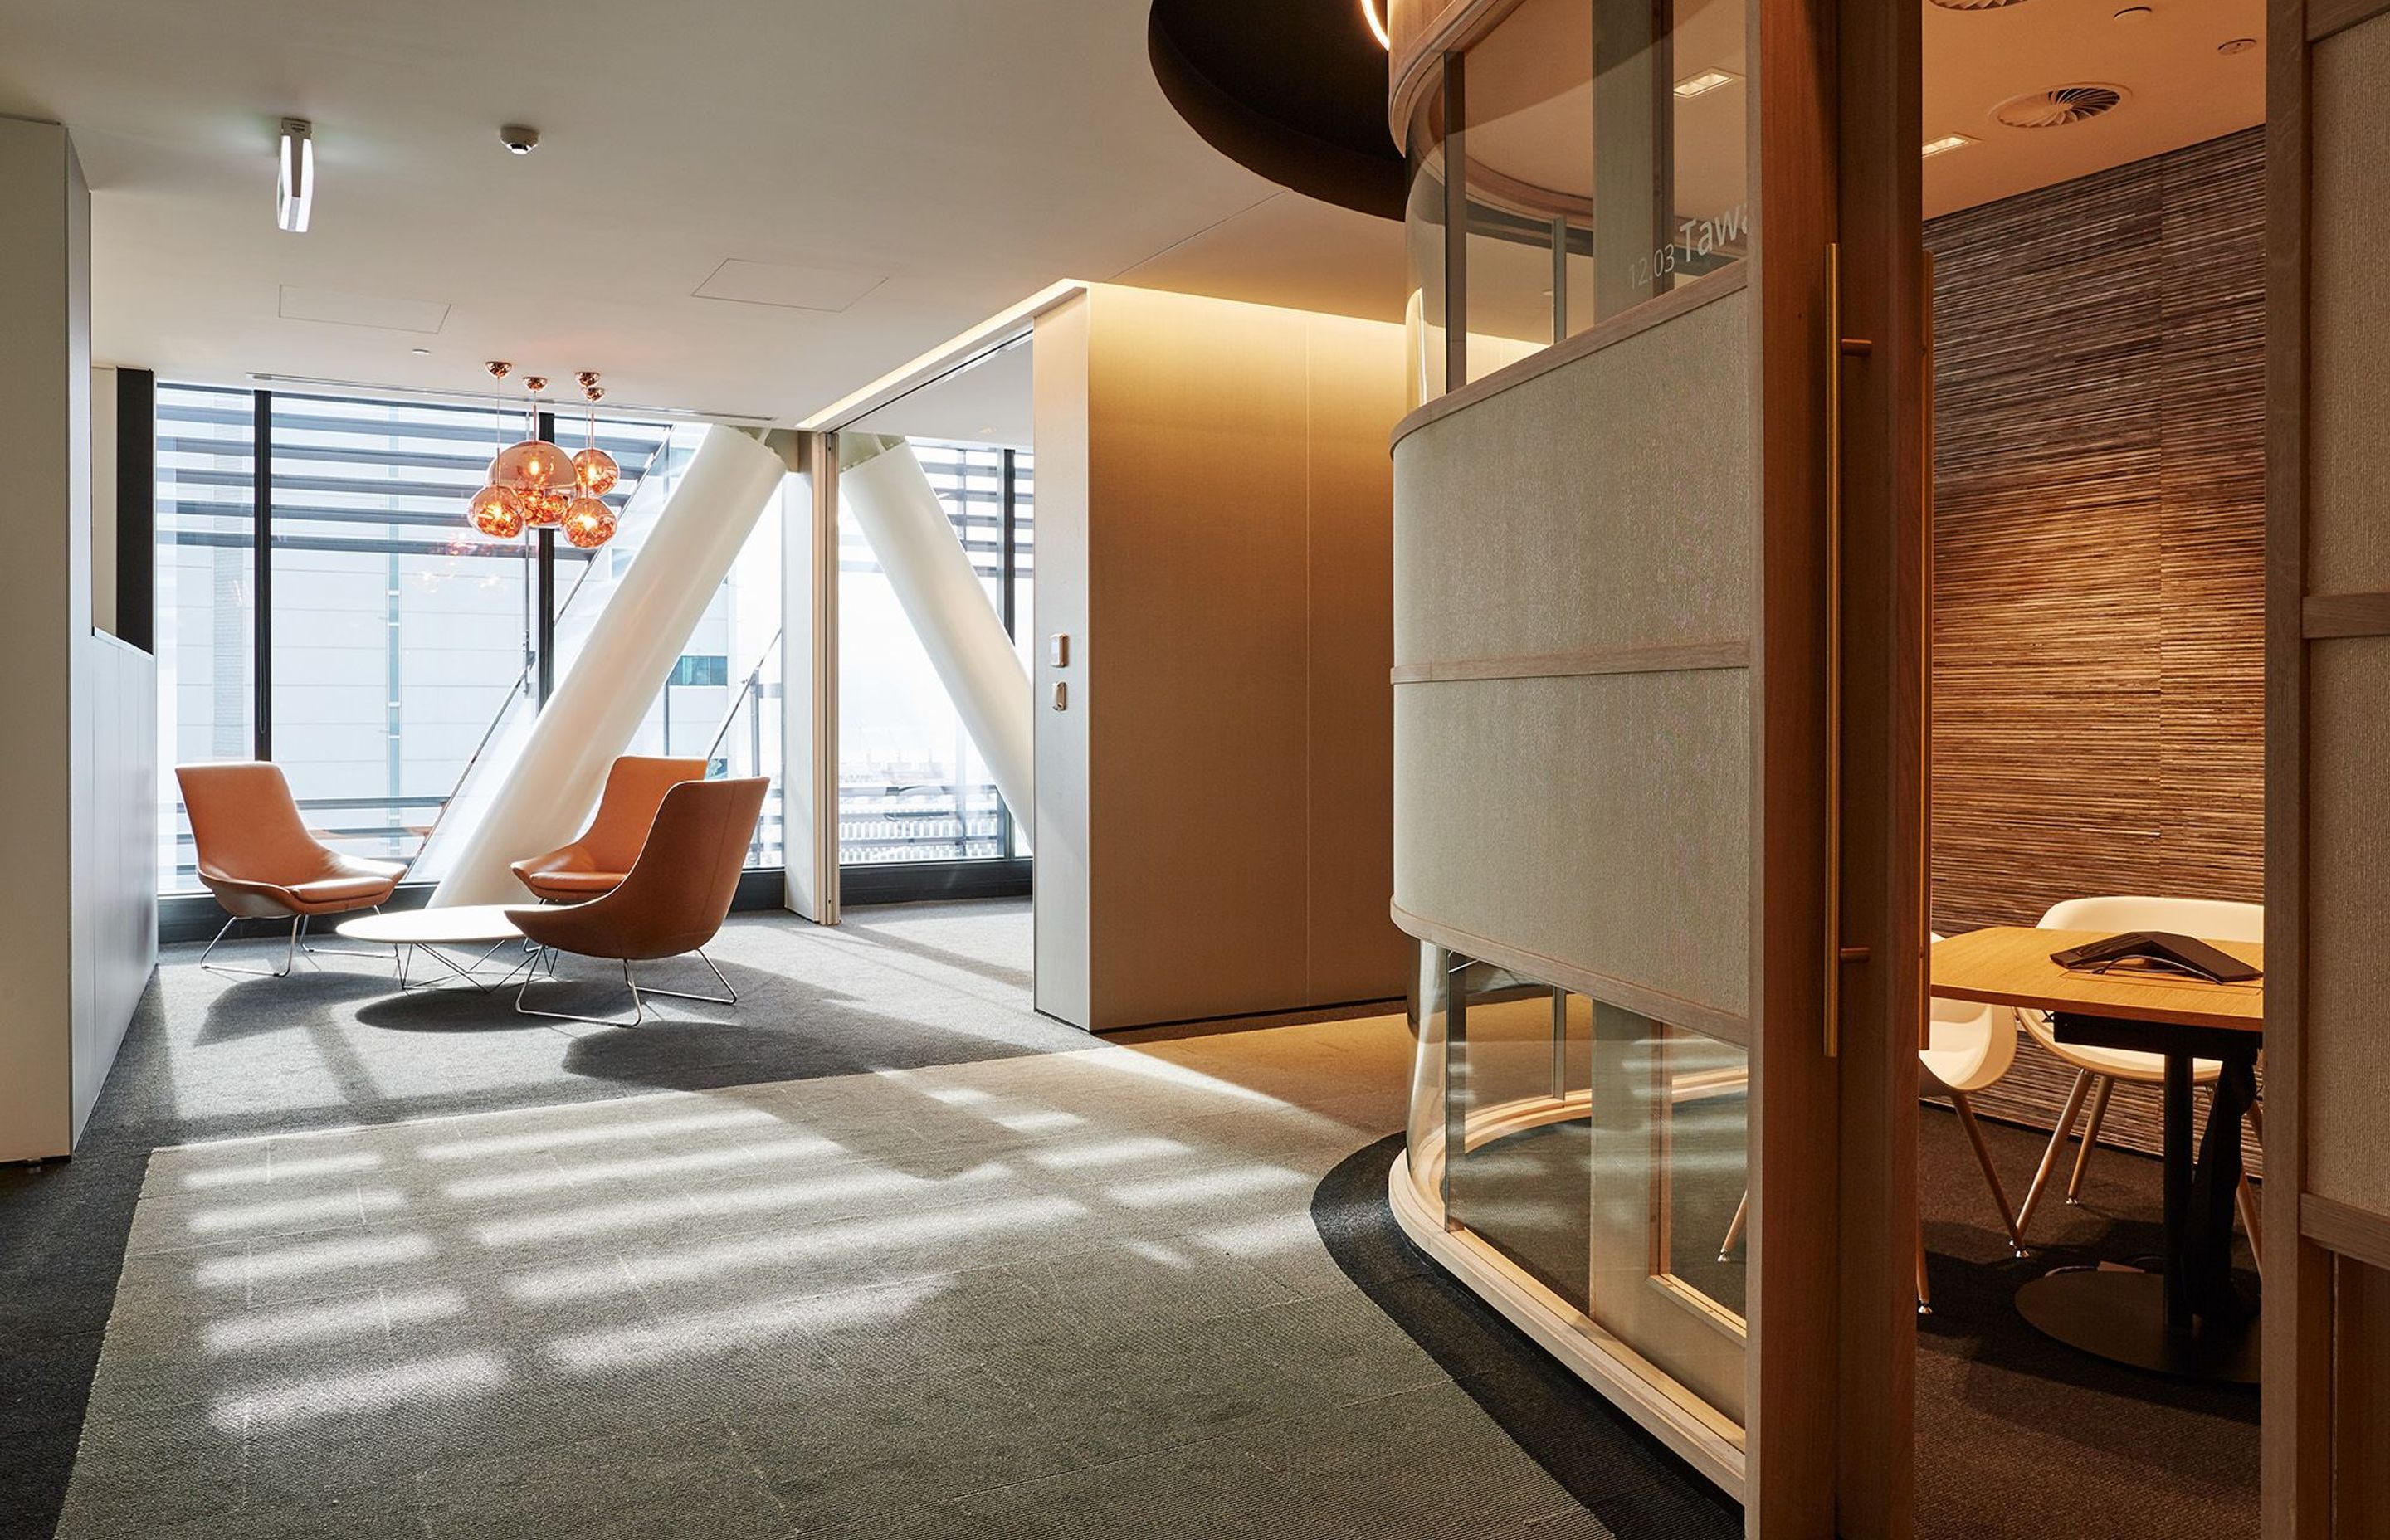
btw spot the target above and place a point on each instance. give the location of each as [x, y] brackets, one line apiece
[1572, 594]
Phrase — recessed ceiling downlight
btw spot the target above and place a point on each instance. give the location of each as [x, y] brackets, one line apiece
[2059, 106]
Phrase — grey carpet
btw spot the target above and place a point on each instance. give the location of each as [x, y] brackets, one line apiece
[2016, 1434]
[1074, 1294]
[211, 1057]
[2020, 1435]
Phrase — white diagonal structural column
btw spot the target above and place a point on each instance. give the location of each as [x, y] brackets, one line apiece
[586, 725]
[883, 486]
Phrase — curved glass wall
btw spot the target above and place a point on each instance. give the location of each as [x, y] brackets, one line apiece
[1601, 1158]
[1603, 154]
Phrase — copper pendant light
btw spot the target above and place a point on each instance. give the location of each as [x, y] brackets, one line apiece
[495, 510]
[533, 483]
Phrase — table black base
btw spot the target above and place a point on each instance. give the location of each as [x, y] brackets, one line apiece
[2121, 1317]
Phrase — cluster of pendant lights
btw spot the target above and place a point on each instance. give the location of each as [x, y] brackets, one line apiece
[535, 483]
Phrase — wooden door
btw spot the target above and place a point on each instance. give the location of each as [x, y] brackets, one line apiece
[1840, 899]
[2327, 1072]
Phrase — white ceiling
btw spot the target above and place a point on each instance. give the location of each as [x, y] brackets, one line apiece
[930, 161]
[920, 163]
[987, 401]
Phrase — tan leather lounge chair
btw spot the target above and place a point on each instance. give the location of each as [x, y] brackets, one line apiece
[595, 862]
[257, 856]
[673, 900]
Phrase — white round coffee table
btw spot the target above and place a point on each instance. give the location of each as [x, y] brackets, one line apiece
[406, 931]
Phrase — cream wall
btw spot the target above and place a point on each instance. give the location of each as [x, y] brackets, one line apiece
[1215, 800]
[76, 948]
[1572, 581]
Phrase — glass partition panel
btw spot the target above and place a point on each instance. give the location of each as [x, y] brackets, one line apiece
[1527, 100]
[1603, 144]
[1423, 231]
[206, 543]
[1600, 1153]
[912, 786]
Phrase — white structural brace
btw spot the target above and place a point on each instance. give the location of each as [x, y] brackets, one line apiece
[883, 486]
[550, 789]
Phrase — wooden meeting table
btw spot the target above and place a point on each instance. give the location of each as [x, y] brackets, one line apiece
[2188, 1319]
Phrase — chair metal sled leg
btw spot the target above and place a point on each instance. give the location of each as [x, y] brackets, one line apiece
[638, 996]
[316, 951]
[729, 996]
[290, 953]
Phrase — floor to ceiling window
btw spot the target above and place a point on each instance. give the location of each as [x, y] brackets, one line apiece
[912, 787]
[206, 593]
[722, 700]
[399, 647]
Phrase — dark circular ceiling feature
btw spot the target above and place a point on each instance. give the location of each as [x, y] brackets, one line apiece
[1293, 90]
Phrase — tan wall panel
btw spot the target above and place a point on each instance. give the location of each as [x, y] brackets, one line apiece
[1232, 678]
[1601, 820]
[2346, 1071]
[1355, 394]
[1196, 610]
[1502, 546]
[2361, 1411]
[2347, 1068]
[2348, 316]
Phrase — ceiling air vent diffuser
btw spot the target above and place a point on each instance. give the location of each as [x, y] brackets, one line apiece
[2059, 106]
[1975, 5]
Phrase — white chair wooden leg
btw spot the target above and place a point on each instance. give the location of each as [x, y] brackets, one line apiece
[2244, 1197]
[2058, 1139]
[1734, 1227]
[2090, 1140]
[1991, 1174]
[1924, 1288]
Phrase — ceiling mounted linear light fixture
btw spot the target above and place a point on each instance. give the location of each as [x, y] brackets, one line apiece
[1705, 82]
[1946, 142]
[294, 188]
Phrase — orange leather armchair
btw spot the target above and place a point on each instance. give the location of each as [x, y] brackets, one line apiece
[256, 855]
[673, 900]
[595, 862]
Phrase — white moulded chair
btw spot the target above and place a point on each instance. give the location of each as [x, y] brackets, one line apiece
[2097, 1071]
[1968, 1046]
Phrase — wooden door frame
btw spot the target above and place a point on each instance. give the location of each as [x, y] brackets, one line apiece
[2294, 1491]
[1834, 1130]
[2324, 1258]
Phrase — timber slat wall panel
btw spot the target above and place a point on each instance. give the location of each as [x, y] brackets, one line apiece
[2098, 623]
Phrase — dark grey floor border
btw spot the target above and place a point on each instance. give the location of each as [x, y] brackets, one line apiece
[1630, 1482]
